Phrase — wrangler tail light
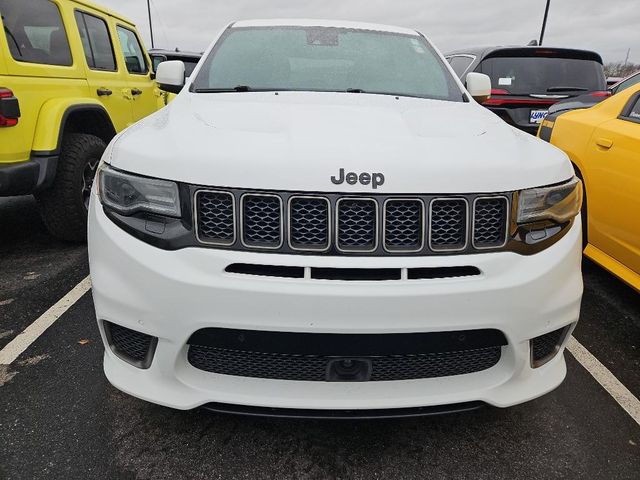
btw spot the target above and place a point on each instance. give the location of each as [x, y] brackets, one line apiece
[9, 108]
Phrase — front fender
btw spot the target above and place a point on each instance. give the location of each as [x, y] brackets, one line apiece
[52, 118]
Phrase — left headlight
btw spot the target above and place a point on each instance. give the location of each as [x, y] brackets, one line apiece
[558, 203]
[126, 193]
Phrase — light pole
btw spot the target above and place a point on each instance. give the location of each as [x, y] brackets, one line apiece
[544, 21]
[151, 26]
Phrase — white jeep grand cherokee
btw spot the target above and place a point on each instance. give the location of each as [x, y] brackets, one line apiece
[325, 223]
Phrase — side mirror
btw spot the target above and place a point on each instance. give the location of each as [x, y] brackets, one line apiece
[170, 76]
[479, 86]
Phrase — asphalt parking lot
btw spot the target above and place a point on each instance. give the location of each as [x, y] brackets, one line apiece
[59, 417]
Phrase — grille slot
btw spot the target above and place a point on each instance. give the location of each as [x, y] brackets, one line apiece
[403, 225]
[130, 345]
[262, 221]
[356, 274]
[309, 224]
[448, 224]
[313, 368]
[215, 217]
[357, 224]
[489, 222]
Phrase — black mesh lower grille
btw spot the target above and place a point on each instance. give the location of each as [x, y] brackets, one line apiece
[309, 223]
[403, 225]
[544, 347]
[448, 224]
[314, 367]
[489, 222]
[129, 344]
[262, 220]
[357, 224]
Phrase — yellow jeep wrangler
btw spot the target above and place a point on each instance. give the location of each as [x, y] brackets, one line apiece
[72, 75]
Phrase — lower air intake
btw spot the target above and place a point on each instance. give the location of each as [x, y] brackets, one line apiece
[131, 346]
[545, 347]
[344, 357]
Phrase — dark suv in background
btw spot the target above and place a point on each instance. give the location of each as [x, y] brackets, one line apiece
[526, 81]
[190, 59]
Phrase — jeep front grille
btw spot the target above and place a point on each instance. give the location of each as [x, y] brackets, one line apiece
[336, 224]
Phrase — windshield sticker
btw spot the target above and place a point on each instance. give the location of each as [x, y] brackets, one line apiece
[505, 81]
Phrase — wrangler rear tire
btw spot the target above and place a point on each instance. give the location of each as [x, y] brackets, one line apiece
[63, 206]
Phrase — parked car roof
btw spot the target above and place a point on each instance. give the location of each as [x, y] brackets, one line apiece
[525, 51]
[174, 53]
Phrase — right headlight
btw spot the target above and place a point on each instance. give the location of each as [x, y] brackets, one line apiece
[127, 193]
[558, 203]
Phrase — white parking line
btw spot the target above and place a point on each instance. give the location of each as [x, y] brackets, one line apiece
[604, 377]
[30, 334]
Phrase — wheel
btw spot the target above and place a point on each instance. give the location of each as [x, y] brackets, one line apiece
[65, 204]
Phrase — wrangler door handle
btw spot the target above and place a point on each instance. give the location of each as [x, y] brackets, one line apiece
[103, 92]
[136, 91]
[604, 142]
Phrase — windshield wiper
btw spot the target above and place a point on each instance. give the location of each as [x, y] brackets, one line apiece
[567, 89]
[237, 88]
[355, 90]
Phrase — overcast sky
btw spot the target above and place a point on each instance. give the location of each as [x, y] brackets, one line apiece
[609, 27]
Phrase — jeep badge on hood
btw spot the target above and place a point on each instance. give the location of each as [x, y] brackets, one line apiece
[374, 179]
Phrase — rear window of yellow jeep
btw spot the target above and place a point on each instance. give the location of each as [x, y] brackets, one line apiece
[35, 32]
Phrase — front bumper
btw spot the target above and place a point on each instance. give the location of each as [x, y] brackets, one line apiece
[171, 294]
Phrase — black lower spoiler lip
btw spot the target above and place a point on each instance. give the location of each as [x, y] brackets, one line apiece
[316, 414]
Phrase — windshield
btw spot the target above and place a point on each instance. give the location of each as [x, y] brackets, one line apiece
[327, 60]
[543, 75]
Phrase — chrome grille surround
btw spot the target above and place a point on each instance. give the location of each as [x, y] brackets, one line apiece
[353, 233]
[220, 223]
[494, 234]
[305, 228]
[300, 222]
[253, 227]
[399, 238]
[451, 234]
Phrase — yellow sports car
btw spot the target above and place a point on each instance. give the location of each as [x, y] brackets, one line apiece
[603, 143]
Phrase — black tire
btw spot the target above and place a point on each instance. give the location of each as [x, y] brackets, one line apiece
[63, 206]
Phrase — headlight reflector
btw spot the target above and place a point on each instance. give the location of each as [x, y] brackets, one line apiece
[559, 203]
[127, 193]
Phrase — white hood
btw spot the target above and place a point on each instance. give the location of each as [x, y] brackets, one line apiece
[299, 140]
